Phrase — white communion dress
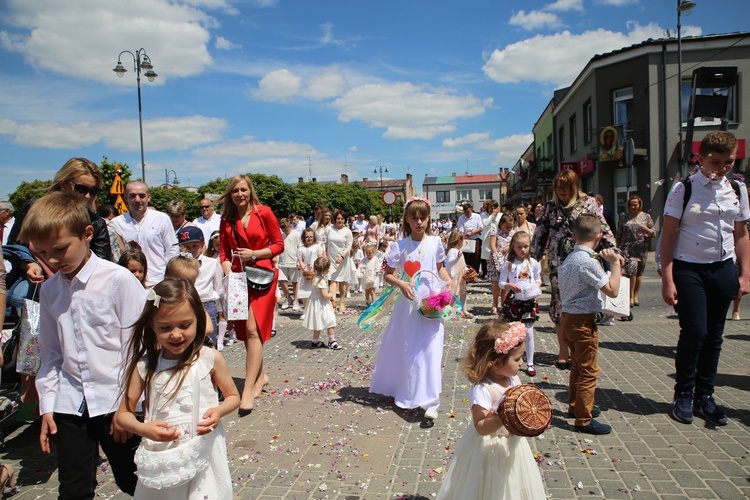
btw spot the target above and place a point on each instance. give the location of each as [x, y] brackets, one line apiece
[215, 482]
[408, 366]
[493, 467]
[308, 255]
[319, 313]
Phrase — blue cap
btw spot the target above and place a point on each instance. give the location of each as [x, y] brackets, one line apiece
[189, 234]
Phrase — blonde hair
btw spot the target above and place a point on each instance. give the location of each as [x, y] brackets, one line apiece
[73, 168]
[53, 212]
[179, 266]
[229, 211]
[455, 239]
[572, 184]
[482, 355]
[512, 252]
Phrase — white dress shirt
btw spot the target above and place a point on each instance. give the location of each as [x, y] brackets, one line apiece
[208, 226]
[208, 283]
[360, 225]
[292, 244]
[84, 328]
[156, 238]
[707, 224]
[8, 227]
[472, 223]
[301, 226]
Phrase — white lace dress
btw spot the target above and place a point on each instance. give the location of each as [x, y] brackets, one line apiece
[215, 482]
[319, 314]
[308, 255]
[493, 467]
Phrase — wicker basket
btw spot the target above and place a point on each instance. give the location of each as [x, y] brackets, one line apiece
[525, 411]
[430, 312]
[470, 275]
[308, 274]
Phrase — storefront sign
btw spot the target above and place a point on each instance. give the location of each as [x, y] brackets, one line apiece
[581, 167]
[444, 208]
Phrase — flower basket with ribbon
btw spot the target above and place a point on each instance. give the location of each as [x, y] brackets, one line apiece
[433, 298]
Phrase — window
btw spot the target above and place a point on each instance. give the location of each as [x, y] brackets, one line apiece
[573, 135]
[485, 194]
[622, 101]
[587, 122]
[443, 196]
[561, 142]
[687, 92]
[464, 194]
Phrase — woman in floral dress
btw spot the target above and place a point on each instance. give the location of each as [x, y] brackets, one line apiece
[554, 235]
[632, 237]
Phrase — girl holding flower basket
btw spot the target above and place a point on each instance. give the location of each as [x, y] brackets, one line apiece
[408, 366]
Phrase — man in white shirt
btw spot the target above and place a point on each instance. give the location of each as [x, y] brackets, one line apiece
[209, 220]
[360, 224]
[299, 224]
[147, 230]
[471, 225]
[489, 216]
[6, 220]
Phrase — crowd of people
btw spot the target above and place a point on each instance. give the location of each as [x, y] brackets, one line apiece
[145, 291]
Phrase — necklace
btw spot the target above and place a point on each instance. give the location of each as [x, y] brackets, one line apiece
[418, 248]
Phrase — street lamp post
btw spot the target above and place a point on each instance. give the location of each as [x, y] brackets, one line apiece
[141, 62]
[175, 182]
[381, 169]
[682, 6]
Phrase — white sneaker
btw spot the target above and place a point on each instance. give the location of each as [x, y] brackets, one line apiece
[431, 413]
[220, 346]
[348, 294]
[285, 305]
[295, 306]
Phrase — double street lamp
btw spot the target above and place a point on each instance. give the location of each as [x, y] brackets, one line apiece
[175, 182]
[682, 6]
[382, 169]
[141, 63]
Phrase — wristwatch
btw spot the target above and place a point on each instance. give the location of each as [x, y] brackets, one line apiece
[252, 257]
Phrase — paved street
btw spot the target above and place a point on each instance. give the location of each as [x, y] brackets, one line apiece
[318, 433]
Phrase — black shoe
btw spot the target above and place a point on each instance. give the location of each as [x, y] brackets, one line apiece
[595, 412]
[244, 412]
[563, 365]
[316, 344]
[334, 345]
[682, 408]
[594, 427]
[706, 408]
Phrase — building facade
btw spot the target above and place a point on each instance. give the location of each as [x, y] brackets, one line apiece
[445, 192]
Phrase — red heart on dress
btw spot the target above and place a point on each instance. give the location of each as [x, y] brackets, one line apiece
[411, 267]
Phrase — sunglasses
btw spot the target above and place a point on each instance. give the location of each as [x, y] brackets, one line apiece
[83, 189]
[203, 207]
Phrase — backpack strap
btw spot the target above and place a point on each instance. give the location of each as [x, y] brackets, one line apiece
[689, 190]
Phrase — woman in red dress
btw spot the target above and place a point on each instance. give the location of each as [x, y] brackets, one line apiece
[251, 233]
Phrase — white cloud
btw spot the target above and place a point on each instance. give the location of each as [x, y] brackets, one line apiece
[278, 85]
[506, 150]
[565, 5]
[161, 134]
[535, 19]
[175, 35]
[407, 110]
[327, 37]
[558, 58]
[617, 3]
[353, 149]
[248, 147]
[224, 44]
[327, 84]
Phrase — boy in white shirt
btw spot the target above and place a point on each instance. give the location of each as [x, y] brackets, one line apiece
[87, 310]
[208, 284]
[288, 268]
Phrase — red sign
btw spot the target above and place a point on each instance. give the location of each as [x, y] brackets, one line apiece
[582, 167]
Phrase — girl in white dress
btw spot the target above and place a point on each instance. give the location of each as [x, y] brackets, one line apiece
[338, 249]
[408, 367]
[307, 255]
[491, 464]
[319, 313]
[455, 264]
[168, 364]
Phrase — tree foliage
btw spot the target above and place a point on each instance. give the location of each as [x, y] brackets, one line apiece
[161, 197]
[108, 170]
[26, 191]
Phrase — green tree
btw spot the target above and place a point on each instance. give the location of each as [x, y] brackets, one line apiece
[275, 193]
[27, 191]
[161, 197]
[309, 194]
[108, 169]
[216, 186]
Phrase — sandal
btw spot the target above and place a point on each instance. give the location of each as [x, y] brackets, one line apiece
[333, 345]
[493, 310]
[562, 365]
[316, 344]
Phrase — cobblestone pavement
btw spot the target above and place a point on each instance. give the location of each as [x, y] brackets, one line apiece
[318, 433]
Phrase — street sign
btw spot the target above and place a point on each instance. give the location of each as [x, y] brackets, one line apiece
[389, 197]
[627, 155]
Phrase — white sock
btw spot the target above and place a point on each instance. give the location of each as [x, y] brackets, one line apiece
[220, 336]
[530, 345]
[331, 337]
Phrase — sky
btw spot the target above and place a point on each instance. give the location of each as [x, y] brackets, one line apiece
[303, 88]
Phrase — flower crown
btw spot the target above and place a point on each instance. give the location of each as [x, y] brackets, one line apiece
[415, 198]
[514, 335]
